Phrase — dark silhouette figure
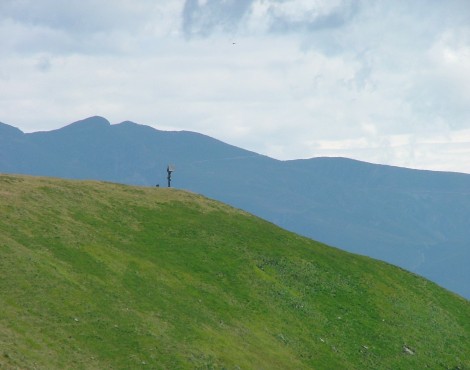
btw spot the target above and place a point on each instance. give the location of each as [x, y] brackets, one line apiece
[169, 169]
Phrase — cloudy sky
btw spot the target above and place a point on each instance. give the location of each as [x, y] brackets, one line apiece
[377, 80]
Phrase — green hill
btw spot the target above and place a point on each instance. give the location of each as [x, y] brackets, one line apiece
[103, 276]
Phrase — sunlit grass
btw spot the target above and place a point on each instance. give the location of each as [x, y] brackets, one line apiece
[98, 275]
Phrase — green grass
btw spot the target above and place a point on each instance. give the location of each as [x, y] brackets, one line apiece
[103, 276]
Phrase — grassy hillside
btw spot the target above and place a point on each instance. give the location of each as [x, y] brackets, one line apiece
[417, 220]
[99, 276]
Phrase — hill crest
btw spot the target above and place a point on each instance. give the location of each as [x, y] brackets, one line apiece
[100, 275]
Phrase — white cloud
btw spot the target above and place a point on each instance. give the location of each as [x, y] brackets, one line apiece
[381, 81]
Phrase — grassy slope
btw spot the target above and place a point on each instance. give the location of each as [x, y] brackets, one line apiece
[97, 275]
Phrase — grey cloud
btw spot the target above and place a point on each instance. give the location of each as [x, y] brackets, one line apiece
[203, 19]
[78, 26]
[335, 18]
[69, 16]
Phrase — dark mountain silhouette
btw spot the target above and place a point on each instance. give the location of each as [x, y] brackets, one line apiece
[419, 220]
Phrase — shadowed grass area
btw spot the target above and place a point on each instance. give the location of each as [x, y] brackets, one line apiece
[97, 275]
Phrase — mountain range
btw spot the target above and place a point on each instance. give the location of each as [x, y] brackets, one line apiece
[419, 220]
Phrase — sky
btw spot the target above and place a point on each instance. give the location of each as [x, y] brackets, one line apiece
[376, 80]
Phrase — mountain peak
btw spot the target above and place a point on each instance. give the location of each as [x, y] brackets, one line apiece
[90, 123]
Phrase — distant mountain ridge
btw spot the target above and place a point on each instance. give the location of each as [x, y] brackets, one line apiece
[419, 220]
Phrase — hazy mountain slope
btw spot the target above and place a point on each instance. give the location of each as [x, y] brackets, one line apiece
[97, 275]
[419, 220]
